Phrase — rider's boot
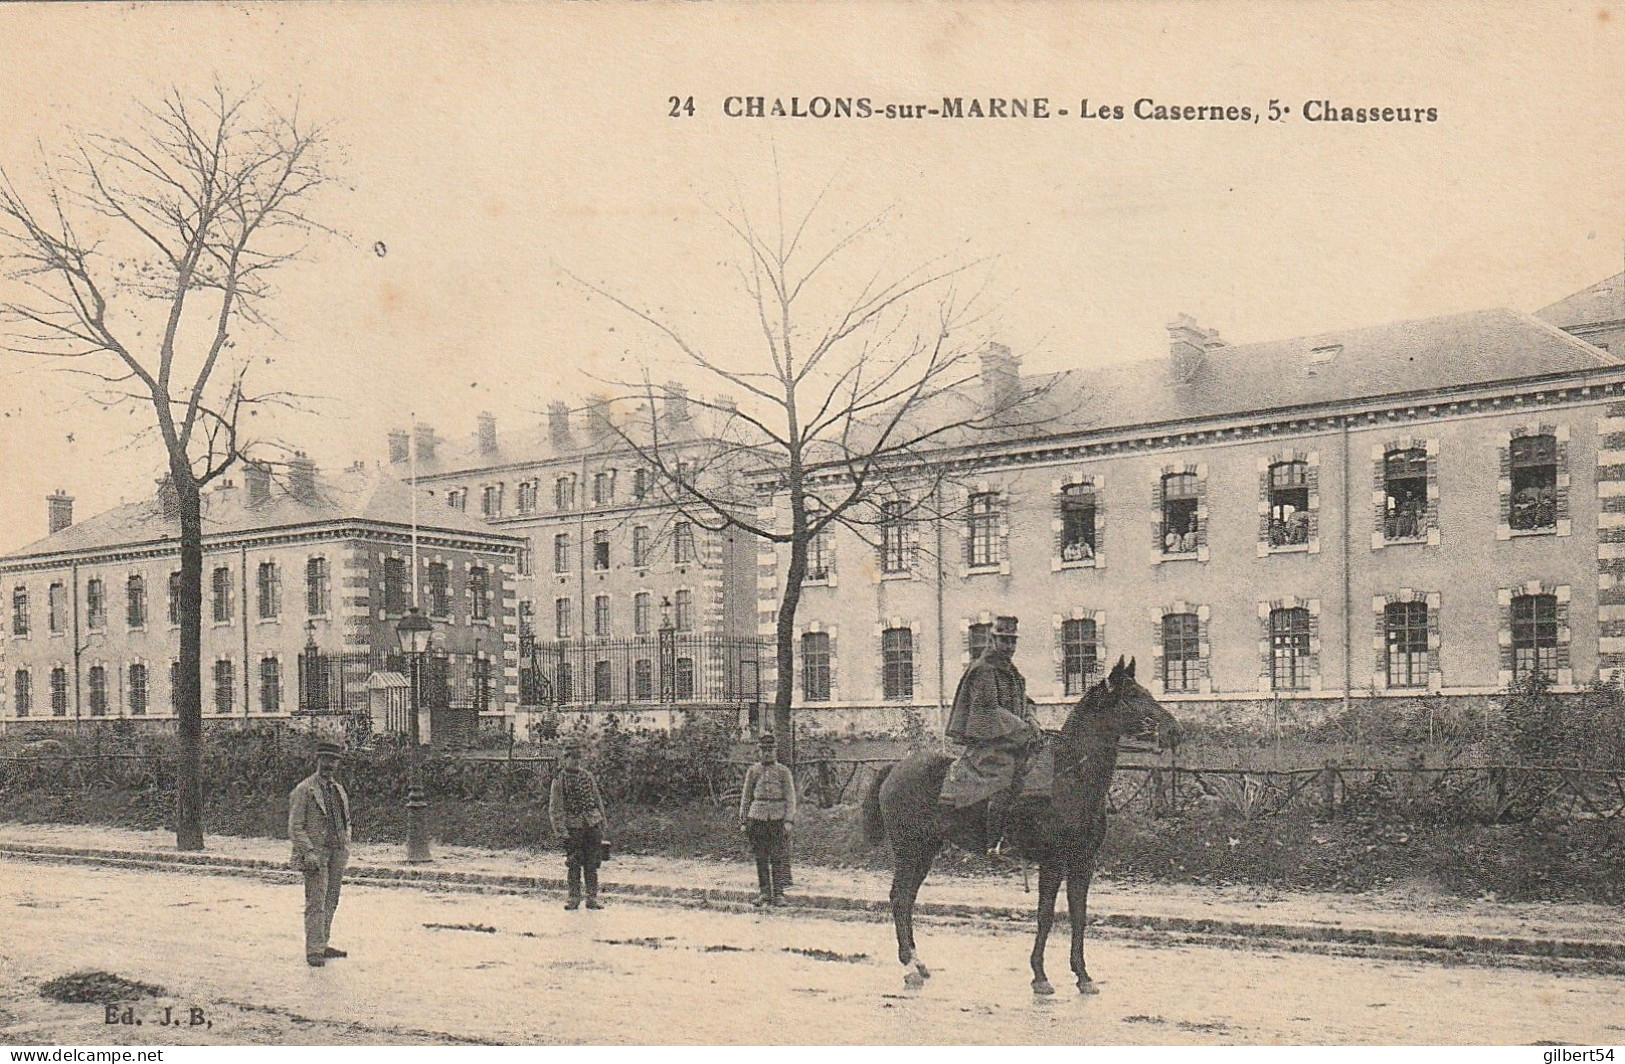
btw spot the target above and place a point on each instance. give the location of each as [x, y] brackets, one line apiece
[997, 807]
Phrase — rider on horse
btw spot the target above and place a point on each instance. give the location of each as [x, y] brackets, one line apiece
[990, 716]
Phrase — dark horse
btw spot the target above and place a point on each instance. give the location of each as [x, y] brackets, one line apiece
[1062, 835]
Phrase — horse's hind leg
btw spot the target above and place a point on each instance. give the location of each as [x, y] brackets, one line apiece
[908, 873]
[1049, 885]
[1077, 907]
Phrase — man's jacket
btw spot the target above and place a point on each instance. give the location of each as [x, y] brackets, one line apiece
[990, 702]
[308, 824]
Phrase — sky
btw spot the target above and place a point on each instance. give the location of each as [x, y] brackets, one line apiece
[497, 153]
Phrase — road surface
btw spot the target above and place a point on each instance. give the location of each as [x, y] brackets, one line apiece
[434, 967]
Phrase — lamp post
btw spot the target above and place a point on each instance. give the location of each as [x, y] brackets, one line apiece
[413, 631]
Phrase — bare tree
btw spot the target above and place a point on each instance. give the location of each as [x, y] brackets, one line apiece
[847, 408]
[135, 267]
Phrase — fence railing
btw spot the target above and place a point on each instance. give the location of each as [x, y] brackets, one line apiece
[337, 683]
[669, 667]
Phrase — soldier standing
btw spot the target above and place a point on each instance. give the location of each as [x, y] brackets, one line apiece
[576, 807]
[319, 829]
[767, 809]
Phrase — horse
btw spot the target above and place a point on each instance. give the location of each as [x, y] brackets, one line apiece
[1062, 836]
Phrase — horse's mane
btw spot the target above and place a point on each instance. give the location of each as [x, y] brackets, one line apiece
[1090, 705]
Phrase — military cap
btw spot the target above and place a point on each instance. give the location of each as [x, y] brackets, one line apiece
[766, 739]
[1004, 626]
[327, 748]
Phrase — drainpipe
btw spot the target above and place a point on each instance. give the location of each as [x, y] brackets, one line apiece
[1348, 591]
[248, 701]
[78, 651]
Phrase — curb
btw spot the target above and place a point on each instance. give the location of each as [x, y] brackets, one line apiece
[1435, 946]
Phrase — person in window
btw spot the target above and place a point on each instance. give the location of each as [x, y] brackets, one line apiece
[576, 807]
[319, 830]
[1187, 543]
[990, 716]
[767, 810]
[1078, 550]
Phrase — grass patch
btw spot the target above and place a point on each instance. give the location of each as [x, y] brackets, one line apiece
[97, 988]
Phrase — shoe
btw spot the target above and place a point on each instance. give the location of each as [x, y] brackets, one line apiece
[316, 962]
[761, 901]
[331, 952]
[780, 900]
[594, 903]
[573, 904]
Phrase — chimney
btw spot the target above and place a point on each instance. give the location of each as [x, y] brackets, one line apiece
[598, 420]
[169, 500]
[1188, 344]
[727, 406]
[558, 425]
[676, 410]
[488, 433]
[302, 477]
[257, 478]
[59, 511]
[425, 441]
[1001, 380]
[400, 446]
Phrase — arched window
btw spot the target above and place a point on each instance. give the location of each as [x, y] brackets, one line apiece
[1289, 504]
[1179, 513]
[1405, 490]
[1534, 483]
[1407, 639]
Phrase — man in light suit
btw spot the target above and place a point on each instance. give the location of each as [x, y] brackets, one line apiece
[319, 828]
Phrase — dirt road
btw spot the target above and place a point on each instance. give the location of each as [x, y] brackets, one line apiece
[436, 967]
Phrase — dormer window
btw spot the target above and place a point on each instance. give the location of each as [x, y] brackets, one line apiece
[1321, 356]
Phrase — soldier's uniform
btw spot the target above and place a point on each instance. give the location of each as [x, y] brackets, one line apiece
[990, 717]
[767, 808]
[576, 808]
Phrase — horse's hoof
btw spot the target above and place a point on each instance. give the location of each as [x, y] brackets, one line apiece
[913, 980]
[925, 973]
[1087, 986]
[1042, 987]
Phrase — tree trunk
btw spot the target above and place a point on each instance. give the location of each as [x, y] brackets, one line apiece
[189, 678]
[785, 632]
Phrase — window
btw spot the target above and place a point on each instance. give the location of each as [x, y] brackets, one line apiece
[564, 493]
[57, 608]
[395, 596]
[897, 663]
[640, 483]
[685, 611]
[1077, 524]
[564, 682]
[682, 538]
[601, 686]
[438, 578]
[19, 611]
[820, 553]
[684, 678]
[1534, 636]
[977, 638]
[479, 590]
[643, 680]
[220, 584]
[23, 692]
[1407, 638]
[59, 692]
[174, 598]
[1289, 504]
[640, 546]
[600, 550]
[640, 613]
[270, 685]
[1289, 649]
[562, 622]
[815, 666]
[600, 615]
[527, 559]
[1405, 487]
[223, 686]
[603, 488]
[269, 587]
[482, 685]
[1181, 652]
[457, 499]
[316, 594]
[527, 496]
[1534, 483]
[1079, 655]
[491, 500]
[98, 690]
[95, 604]
[983, 530]
[138, 690]
[135, 602]
[1180, 520]
[174, 685]
[893, 537]
[561, 552]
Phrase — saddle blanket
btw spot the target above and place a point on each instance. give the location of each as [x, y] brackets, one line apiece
[978, 775]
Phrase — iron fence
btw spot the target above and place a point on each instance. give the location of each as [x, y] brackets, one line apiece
[682, 668]
[337, 683]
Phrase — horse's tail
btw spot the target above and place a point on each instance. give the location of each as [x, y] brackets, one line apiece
[874, 825]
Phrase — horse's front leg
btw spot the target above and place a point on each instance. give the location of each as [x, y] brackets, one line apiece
[907, 875]
[1077, 907]
[1049, 885]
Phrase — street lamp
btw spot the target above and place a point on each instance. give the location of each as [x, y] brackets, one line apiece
[413, 631]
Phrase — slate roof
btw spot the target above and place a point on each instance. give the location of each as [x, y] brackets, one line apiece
[1602, 302]
[356, 494]
[1401, 358]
